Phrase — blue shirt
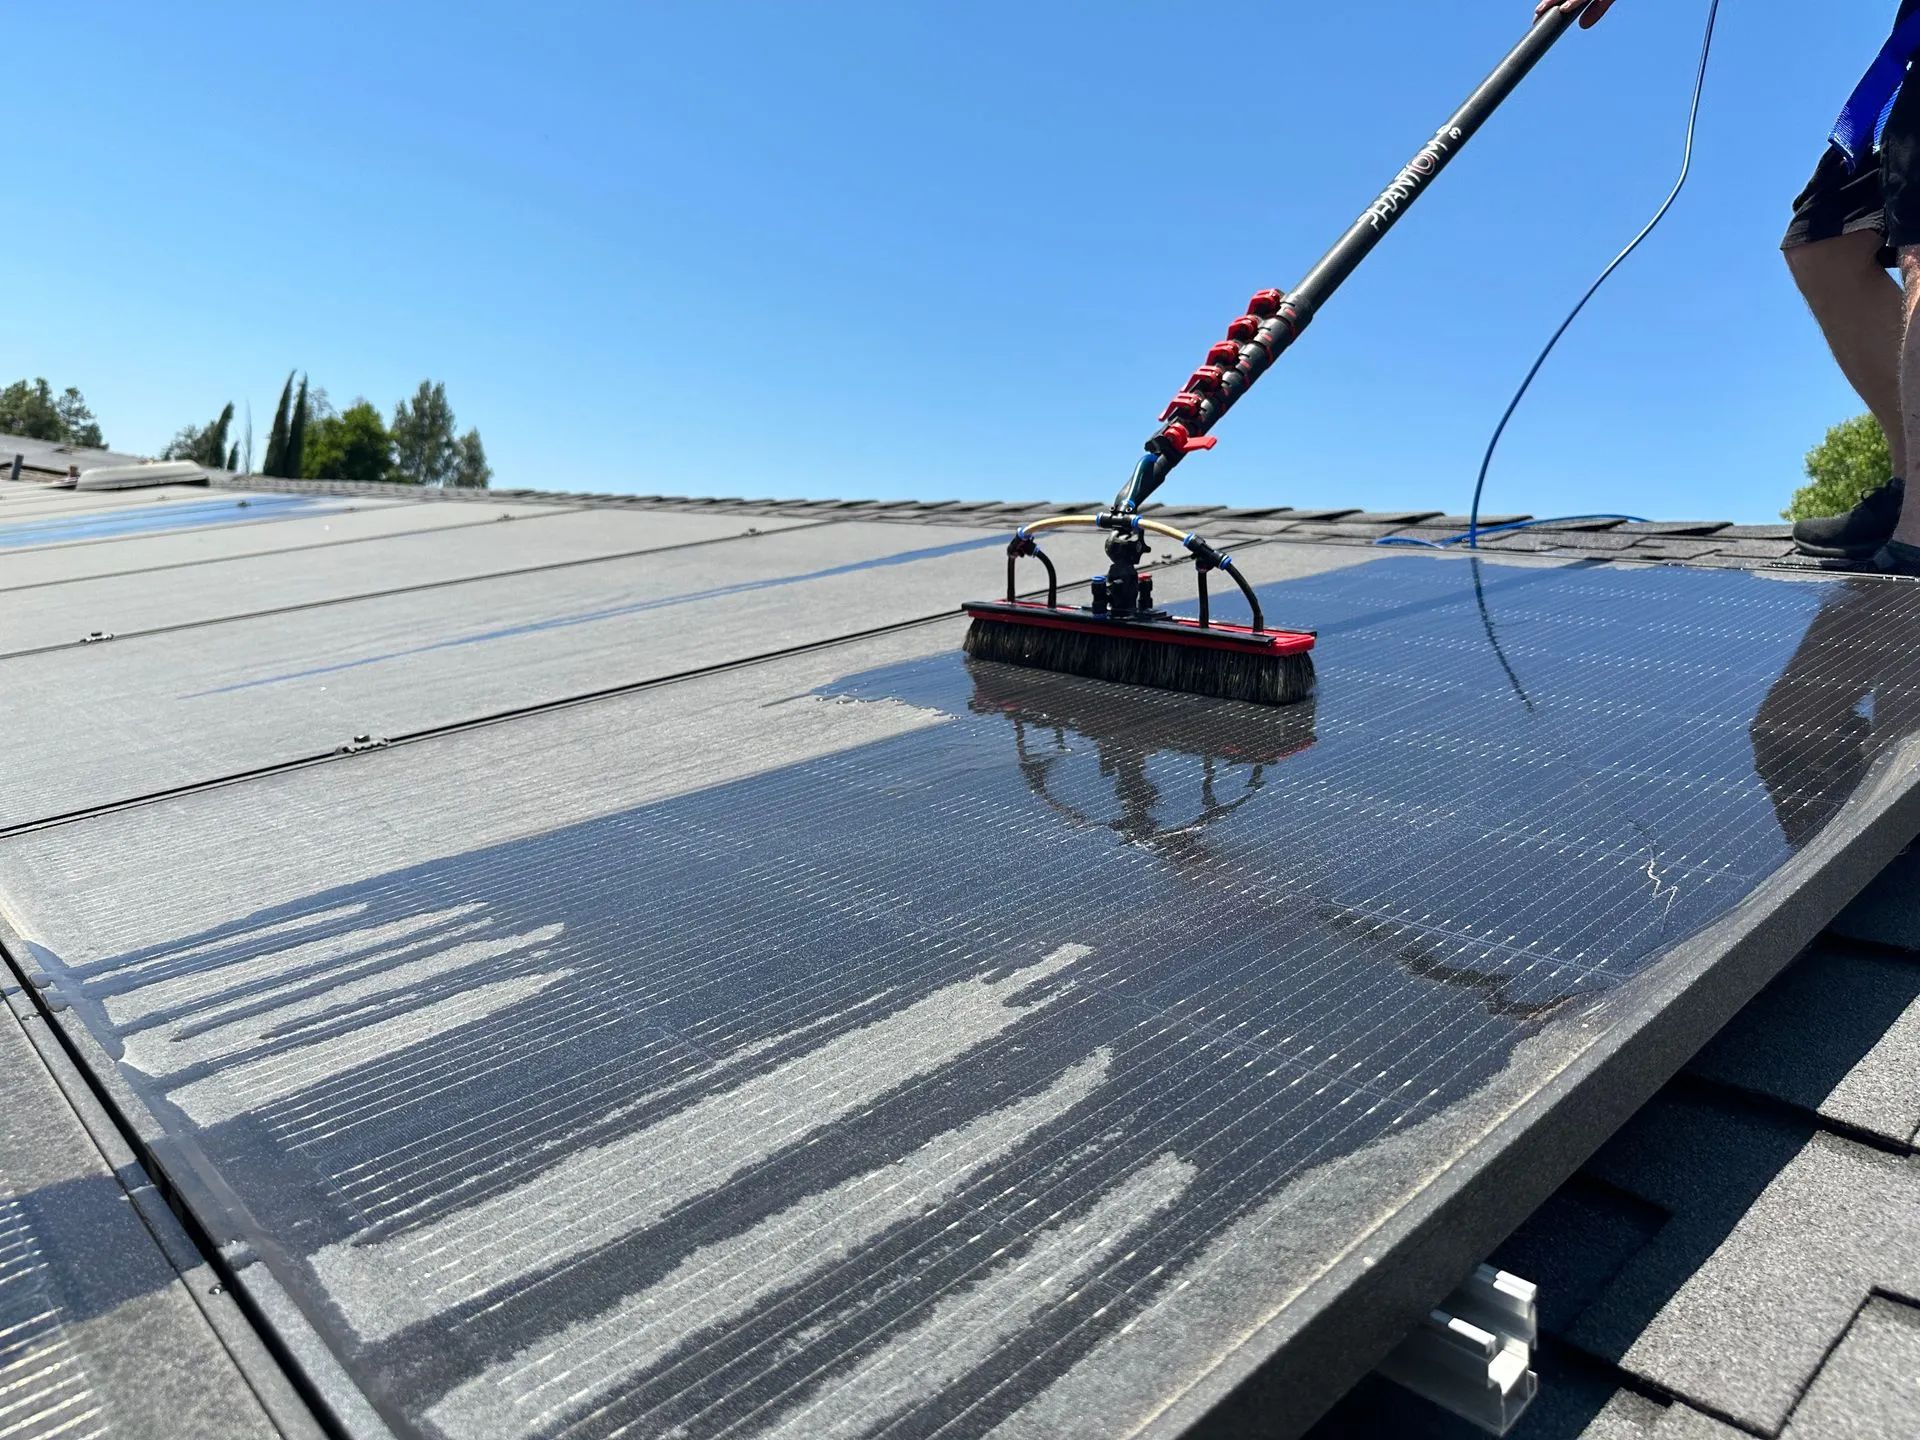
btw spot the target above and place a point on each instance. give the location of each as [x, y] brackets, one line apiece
[1864, 119]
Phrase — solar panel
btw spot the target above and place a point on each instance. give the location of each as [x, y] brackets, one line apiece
[189, 706]
[348, 569]
[109, 523]
[1012, 1065]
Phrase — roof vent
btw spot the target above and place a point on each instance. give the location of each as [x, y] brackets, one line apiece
[132, 477]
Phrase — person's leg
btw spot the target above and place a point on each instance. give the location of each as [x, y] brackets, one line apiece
[1867, 322]
[1908, 530]
[1900, 219]
[1836, 248]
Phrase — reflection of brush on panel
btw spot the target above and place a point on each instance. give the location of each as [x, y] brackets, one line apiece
[1052, 718]
[1121, 636]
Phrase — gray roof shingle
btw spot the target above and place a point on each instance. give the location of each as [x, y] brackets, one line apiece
[1866, 1389]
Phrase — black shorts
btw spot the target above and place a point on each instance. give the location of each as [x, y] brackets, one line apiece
[1884, 197]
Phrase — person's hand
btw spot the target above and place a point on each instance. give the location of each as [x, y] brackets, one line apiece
[1589, 11]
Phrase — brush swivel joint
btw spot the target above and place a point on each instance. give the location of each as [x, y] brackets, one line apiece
[1128, 592]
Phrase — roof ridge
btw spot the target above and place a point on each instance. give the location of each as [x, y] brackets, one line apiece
[1709, 542]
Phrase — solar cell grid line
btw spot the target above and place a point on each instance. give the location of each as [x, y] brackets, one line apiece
[457, 1250]
[792, 1152]
[1064, 1192]
[45, 1387]
[806, 1240]
[701, 1041]
[1068, 1195]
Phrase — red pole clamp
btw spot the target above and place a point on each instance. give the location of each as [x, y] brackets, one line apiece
[1185, 441]
[1185, 405]
[1207, 385]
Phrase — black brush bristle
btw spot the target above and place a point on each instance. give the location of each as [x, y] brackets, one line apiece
[1144, 659]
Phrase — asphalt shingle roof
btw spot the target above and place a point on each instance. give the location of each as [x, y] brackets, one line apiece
[1744, 1257]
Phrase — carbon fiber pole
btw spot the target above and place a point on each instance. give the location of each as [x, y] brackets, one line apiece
[1277, 320]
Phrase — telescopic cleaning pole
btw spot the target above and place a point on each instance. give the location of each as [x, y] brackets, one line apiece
[1275, 318]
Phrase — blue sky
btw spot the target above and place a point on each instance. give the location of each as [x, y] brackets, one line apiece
[933, 249]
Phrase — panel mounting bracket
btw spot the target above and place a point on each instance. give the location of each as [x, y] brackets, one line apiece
[1473, 1354]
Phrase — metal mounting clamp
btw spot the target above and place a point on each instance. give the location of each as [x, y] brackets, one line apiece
[1473, 1354]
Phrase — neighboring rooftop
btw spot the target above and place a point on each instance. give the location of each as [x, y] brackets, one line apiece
[49, 460]
[357, 894]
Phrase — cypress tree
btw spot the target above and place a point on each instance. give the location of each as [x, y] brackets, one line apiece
[233, 457]
[216, 439]
[277, 440]
[297, 433]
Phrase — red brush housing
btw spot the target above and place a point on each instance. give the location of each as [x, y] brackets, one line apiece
[1173, 630]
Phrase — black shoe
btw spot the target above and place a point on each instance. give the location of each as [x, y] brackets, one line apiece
[1858, 534]
[1898, 558]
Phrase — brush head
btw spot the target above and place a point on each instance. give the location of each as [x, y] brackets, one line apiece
[1227, 662]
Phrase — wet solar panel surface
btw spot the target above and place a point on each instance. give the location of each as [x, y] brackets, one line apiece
[999, 1075]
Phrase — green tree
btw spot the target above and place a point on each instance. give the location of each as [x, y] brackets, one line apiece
[186, 444]
[32, 409]
[1852, 460]
[353, 445]
[296, 433]
[204, 444]
[29, 410]
[423, 443]
[470, 468]
[81, 427]
[275, 463]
